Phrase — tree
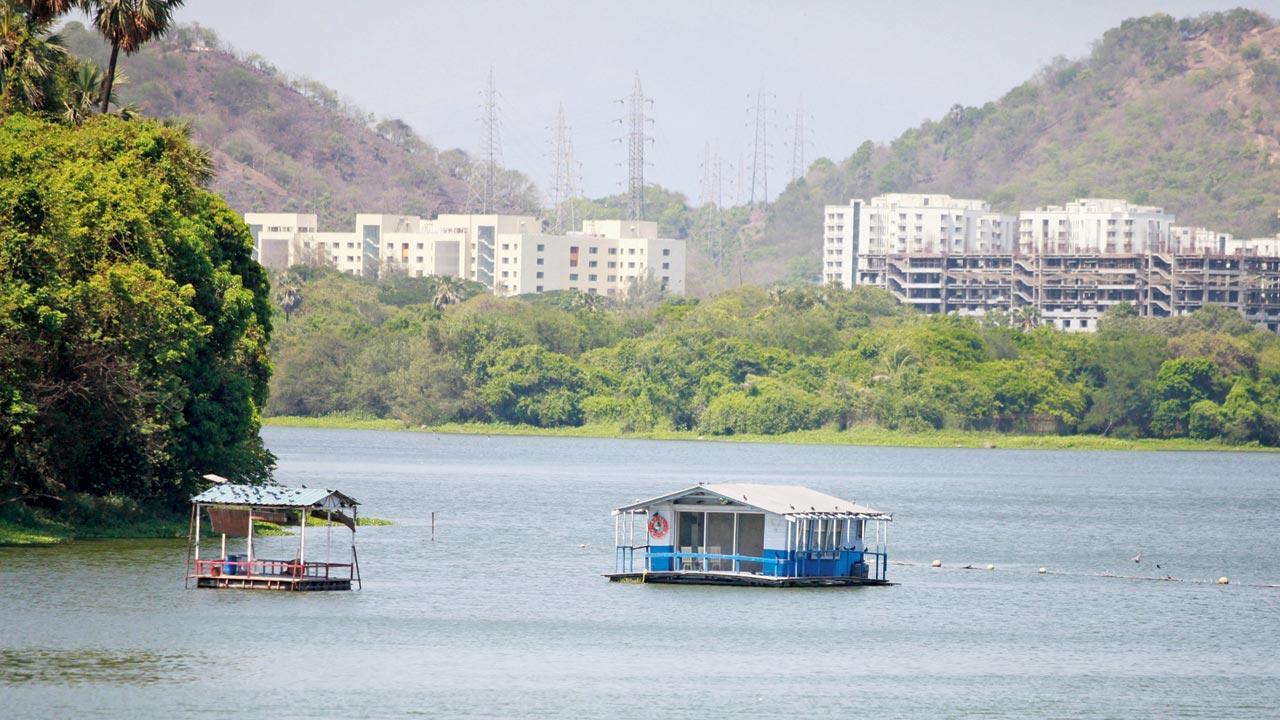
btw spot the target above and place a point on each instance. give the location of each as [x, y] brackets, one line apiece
[128, 25]
[1180, 384]
[287, 293]
[83, 94]
[42, 10]
[31, 57]
[134, 356]
[449, 291]
[531, 386]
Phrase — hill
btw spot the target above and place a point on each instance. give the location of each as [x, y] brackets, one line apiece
[289, 143]
[1184, 114]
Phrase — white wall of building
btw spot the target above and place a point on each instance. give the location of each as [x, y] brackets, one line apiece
[1094, 225]
[508, 253]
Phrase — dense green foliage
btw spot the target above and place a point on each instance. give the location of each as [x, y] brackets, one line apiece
[766, 362]
[1177, 113]
[133, 321]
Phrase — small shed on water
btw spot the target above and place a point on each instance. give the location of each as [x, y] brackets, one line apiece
[231, 511]
[750, 534]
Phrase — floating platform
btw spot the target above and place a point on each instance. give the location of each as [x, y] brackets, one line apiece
[685, 577]
[271, 582]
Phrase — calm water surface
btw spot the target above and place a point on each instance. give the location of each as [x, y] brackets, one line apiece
[506, 613]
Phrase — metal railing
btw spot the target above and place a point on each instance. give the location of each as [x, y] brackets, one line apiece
[273, 569]
[625, 561]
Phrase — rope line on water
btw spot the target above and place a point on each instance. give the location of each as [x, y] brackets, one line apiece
[937, 565]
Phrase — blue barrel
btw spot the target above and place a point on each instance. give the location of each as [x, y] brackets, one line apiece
[230, 567]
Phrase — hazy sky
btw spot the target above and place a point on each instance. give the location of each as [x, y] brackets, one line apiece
[865, 71]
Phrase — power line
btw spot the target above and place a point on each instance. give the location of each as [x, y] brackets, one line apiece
[800, 141]
[483, 180]
[565, 179]
[760, 150]
[637, 137]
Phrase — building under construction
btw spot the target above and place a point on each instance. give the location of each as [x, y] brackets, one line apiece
[1066, 266]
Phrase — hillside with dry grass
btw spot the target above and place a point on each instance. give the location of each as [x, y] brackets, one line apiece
[1184, 114]
[283, 143]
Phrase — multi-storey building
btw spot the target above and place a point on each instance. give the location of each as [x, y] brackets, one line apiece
[840, 243]
[605, 258]
[1069, 263]
[509, 254]
[277, 236]
[1092, 226]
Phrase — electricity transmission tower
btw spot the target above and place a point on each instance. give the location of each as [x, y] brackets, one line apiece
[760, 150]
[738, 179]
[710, 176]
[800, 139]
[483, 180]
[636, 138]
[565, 180]
[712, 203]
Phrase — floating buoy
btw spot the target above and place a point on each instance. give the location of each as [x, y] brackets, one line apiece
[1043, 571]
[936, 563]
[991, 566]
[1224, 580]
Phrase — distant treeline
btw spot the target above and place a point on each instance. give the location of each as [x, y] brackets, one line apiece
[760, 361]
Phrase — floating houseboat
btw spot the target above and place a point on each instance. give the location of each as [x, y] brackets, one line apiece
[231, 511]
[744, 534]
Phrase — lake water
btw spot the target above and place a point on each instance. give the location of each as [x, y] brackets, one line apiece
[506, 614]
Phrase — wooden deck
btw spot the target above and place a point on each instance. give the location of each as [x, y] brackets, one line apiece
[271, 582]
[729, 578]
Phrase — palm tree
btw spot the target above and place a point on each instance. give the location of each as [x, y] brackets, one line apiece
[29, 56]
[127, 25]
[449, 291]
[83, 93]
[48, 9]
[288, 294]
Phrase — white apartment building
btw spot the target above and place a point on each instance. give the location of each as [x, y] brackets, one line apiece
[857, 236]
[605, 258]
[840, 243]
[1197, 240]
[509, 254]
[1069, 262]
[276, 236]
[1094, 225]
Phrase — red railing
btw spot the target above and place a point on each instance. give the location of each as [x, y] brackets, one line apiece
[272, 568]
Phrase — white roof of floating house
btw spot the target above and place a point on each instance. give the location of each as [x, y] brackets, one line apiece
[786, 500]
[273, 496]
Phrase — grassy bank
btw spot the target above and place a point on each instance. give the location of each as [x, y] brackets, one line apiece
[30, 529]
[855, 436]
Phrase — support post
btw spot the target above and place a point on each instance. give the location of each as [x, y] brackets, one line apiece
[187, 576]
[302, 541]
[197, 538]
[355, 561]
[248, 568]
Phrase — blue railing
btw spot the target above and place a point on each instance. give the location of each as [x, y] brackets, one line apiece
[678, 558]
[795, 566]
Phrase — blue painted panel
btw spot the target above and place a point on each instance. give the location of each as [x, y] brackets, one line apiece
[660, 564]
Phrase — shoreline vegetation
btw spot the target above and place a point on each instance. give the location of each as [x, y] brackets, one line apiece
[33, 529]
[864, 436]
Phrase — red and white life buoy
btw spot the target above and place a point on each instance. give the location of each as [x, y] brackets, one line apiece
[658, 526]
